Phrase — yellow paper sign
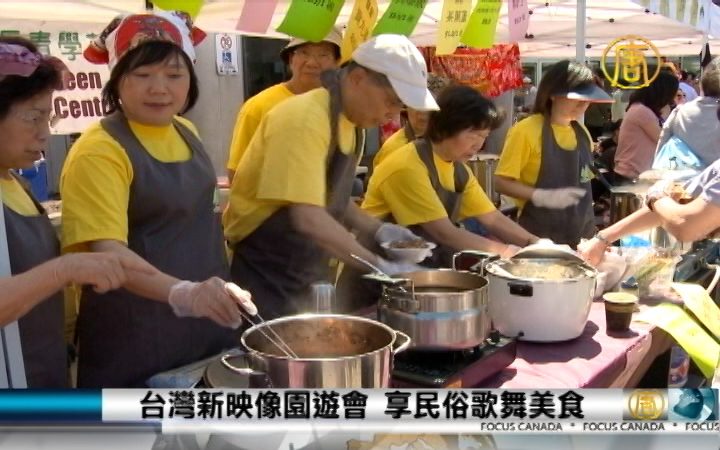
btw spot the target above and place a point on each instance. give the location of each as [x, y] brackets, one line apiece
[699, 302]
[362, 20]
[689, 335]
[454, 18]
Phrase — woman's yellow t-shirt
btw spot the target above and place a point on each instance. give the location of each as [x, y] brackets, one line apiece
[401, 186]
[520, 158]
[96, 178]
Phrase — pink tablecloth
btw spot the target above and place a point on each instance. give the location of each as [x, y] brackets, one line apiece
[592, 360]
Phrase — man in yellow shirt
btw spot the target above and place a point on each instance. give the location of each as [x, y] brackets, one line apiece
[285, 219]
[306, 60]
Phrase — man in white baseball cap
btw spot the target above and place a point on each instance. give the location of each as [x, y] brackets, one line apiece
[289, 214]
[306, 61]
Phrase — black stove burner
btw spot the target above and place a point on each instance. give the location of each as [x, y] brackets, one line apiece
[694, 261]
[453, 368]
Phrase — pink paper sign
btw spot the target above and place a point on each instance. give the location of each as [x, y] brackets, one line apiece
[518, 19]
[256, 15]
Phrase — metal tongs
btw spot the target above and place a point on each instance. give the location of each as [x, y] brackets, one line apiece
[379, 275]
[248, 310]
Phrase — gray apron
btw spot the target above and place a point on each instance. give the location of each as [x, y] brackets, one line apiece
[275, 262]
[355, 292]
[124, 338]
[31, 242]
[558, 169]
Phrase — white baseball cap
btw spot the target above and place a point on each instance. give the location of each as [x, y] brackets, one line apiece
[394, 56]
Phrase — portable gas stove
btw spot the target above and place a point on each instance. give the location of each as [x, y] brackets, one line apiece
[693, 268]
[453, 368]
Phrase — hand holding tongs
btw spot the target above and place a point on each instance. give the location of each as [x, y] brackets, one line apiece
[249, 310]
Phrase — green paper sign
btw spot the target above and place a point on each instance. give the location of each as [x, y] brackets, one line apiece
[191, 7]
[480, 30]
[311, 19]
[401, 17]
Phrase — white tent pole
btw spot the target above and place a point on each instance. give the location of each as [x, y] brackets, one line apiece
[580, 14]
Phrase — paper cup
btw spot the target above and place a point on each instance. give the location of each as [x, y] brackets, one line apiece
[619, 307]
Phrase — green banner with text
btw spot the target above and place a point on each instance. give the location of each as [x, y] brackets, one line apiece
[480, 30]
[401, 17]
[311, 19]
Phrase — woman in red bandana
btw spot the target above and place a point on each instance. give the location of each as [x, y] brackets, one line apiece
[140, 183]
[32, 295]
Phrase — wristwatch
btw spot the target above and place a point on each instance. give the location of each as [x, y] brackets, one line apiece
[602, 239]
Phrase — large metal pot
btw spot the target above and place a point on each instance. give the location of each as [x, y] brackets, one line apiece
[527, 300]
[334, 351]
[483, 166]
[439, 309]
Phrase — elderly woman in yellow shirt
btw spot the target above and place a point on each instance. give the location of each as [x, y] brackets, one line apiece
[427, 187]
[32, 295]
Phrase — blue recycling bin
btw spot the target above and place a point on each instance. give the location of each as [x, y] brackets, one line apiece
[37, 177]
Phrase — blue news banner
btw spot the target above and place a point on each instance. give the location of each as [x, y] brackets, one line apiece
[376, 410]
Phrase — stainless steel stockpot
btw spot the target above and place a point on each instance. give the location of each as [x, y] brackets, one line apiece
[441, 309]
[334, 351]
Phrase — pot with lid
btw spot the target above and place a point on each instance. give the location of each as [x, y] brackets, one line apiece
[440, 309]
[333, 351]
[540, 296]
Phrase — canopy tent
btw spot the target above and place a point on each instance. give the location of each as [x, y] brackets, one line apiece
[553, 27]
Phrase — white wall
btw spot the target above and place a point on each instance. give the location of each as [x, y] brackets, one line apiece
[220, 99]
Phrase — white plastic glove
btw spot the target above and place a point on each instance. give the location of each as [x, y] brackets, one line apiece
[557, 198]
[509, 251]
[395, 267]
[207, 299]
[389, 232]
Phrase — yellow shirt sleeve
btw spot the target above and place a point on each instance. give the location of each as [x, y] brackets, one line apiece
[394, 142]
[410, 197]
[475, 201]
[95, 188]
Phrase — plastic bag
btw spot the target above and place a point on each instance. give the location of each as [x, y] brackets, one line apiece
[675, 154]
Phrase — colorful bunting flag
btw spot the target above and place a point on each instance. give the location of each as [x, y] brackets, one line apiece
[256, 15]
[311, 19]
[480, 30]
[362, 20]
[191, 7]
[401, 17]
[518, 19]
[455, 14]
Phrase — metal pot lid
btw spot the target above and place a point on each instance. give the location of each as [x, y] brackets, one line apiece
[545, 249]
[541, 269]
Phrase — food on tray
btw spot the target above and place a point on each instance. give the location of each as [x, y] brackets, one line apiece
[411, 243]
